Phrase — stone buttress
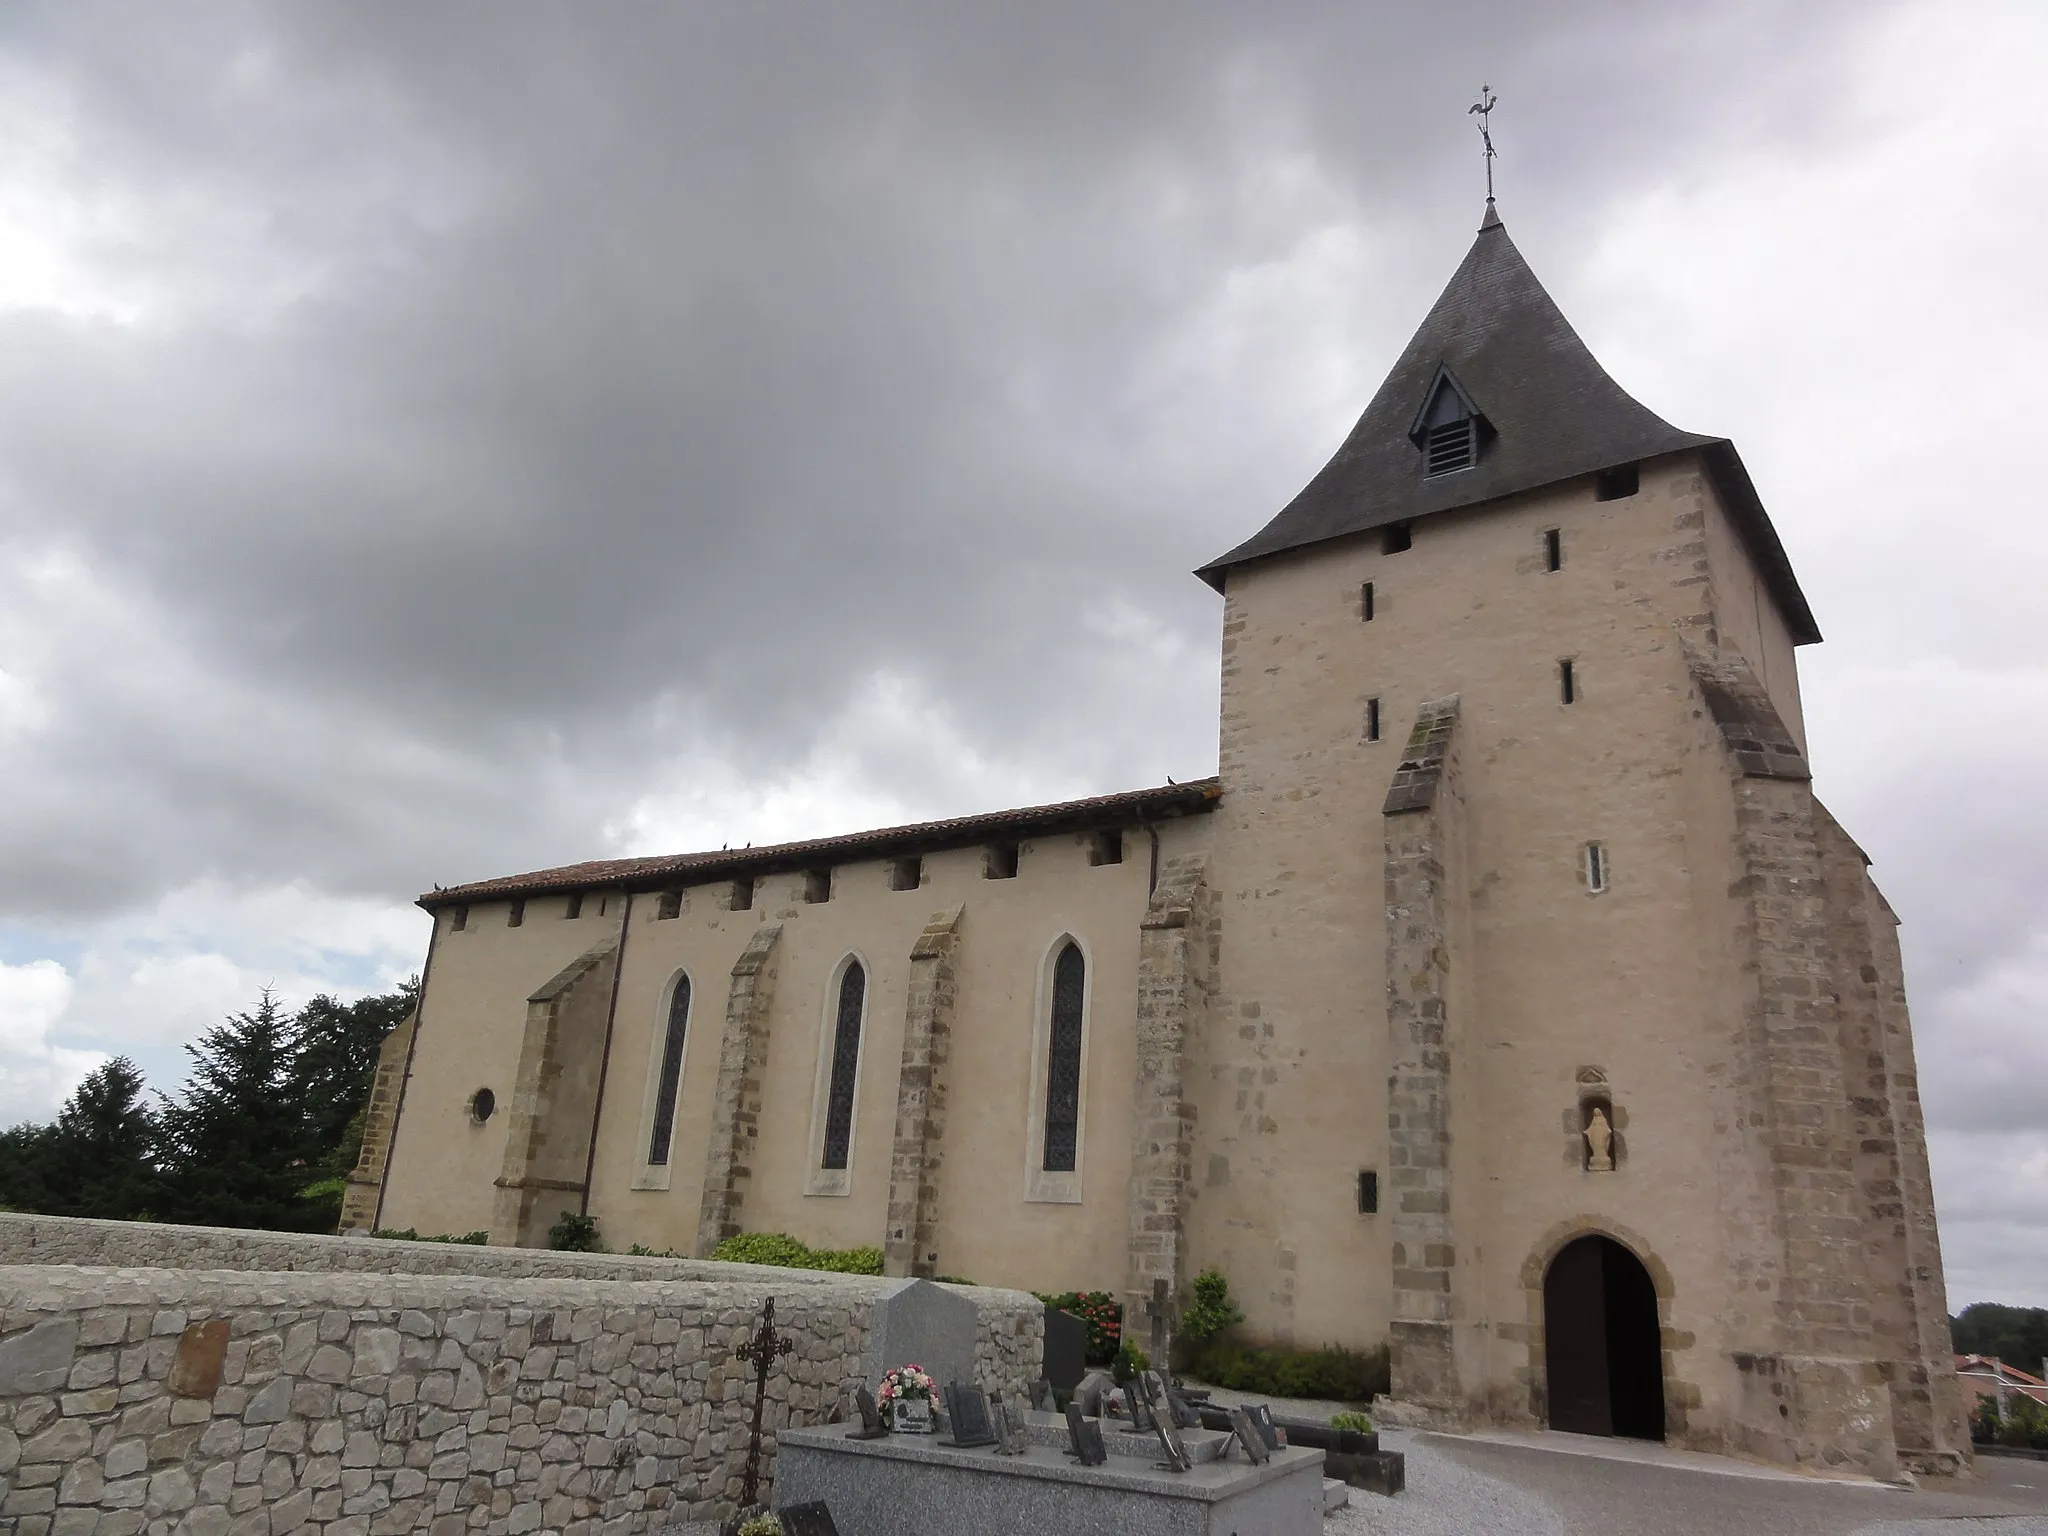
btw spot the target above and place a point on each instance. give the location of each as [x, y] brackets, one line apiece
[736, 1108]
[910, 1246]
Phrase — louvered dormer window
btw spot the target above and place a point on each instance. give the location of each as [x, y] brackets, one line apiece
[1448, 429]
[1451, 446]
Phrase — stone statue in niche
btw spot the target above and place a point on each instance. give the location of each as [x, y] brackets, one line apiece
[1599, 1142]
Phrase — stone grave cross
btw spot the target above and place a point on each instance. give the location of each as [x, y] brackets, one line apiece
[759, 1352]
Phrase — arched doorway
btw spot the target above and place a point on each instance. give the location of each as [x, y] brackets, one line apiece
[1601, 1352]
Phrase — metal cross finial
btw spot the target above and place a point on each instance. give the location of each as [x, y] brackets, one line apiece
[760, 1352]
[1484, 107]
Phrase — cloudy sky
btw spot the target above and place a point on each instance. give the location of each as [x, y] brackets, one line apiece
[442, 441]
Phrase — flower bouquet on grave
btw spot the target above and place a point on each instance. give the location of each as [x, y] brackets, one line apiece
[905, 1396]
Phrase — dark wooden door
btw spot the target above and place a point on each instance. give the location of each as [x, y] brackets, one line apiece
[1575, 1339]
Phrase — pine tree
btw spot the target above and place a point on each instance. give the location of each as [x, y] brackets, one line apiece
[238, 1142]
[24, 1166]
[99, 1159]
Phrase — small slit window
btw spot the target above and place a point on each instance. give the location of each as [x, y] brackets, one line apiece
[1567, 682]
[741, 897]
[1106, 848]
[1368, 1191]
[1597, 871]
[671, 906]
[1365, 603]
[1063, 1061]
[906, 874]
[515, 914]
[670, 1081]
[817, 885]
[1000, 862]
[1553, 549]
[1372, 719]
[573, 907]
[1396, 540]
[853, 991]
[1618, 484]
[458, 920]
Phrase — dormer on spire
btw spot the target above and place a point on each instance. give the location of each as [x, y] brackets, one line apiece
[1448, 427]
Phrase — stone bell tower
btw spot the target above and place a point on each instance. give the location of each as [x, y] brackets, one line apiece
[1518, 841]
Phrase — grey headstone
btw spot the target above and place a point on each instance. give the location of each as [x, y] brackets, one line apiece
[1095, 1387]
[1041, 1395]
[1066, 1348]
[871, 1425]
[812, 1519]
[1249, 1437]
[967, 1413]
[1084, 1437]
[1262, 1420]
[918, 1323]
[38, 1360]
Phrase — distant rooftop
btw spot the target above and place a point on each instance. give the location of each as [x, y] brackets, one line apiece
[667, 870]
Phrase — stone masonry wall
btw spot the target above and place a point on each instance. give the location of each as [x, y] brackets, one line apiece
[366, 1179]
[911, 1241]
[367, 1403]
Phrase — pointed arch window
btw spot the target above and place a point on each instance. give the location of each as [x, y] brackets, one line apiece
[845, 1079]
[1063, 1060]
[671, 1078]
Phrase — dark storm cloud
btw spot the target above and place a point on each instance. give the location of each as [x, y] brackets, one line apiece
[529, 365]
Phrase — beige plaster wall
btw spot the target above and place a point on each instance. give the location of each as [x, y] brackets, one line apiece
[989, 1228]
[472, 1021]
[1746, 616]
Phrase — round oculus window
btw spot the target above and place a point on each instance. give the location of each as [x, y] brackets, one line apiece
[482, 1105]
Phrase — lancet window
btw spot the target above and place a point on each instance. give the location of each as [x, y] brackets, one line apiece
[853, 996]
[1063, 1060]
[671, 1077]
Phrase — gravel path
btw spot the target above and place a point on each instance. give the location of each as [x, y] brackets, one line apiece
[1443, 1498]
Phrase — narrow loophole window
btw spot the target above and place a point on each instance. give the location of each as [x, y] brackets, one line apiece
[1106, 848]
[1553, 549]
[741, 897]
[1596, 868]
[1368, 1191]
[1365, 602]
[1396, 539]
[671, 906]
[1372, 719]
[671, 1074]
[574, 906]
[1000, 862]
[817, 885]
[1567, 683]
[459, 920]
[906, 874]
[515, 914]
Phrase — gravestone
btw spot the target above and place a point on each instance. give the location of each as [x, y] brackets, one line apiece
[1177, 1458]
[812, 1519]
[1262, 1420]
[967, 1412]
[871, 1425]
[1135, 1407]
[1180, 1410]
[1248, 1436]
[1008, 1427]
[915, 1322]
[1041, 1395]
[1066, 1349]
[1084, 1438]
[1094, 1392]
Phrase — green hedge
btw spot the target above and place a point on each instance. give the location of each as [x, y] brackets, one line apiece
[408, 1235]
[1332, 1373]
[786, 1252]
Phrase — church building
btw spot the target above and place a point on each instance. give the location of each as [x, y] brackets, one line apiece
[1508, 997]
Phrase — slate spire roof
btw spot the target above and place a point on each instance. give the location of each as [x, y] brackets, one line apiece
[1549, 413]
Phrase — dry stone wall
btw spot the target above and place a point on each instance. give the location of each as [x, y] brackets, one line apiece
[354, 1401]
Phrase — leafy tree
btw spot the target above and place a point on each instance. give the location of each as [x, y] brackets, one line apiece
[238, 1141]
[2016, 1335]
[336, 1047]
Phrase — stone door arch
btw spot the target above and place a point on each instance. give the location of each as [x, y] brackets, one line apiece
[1603, 1353]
